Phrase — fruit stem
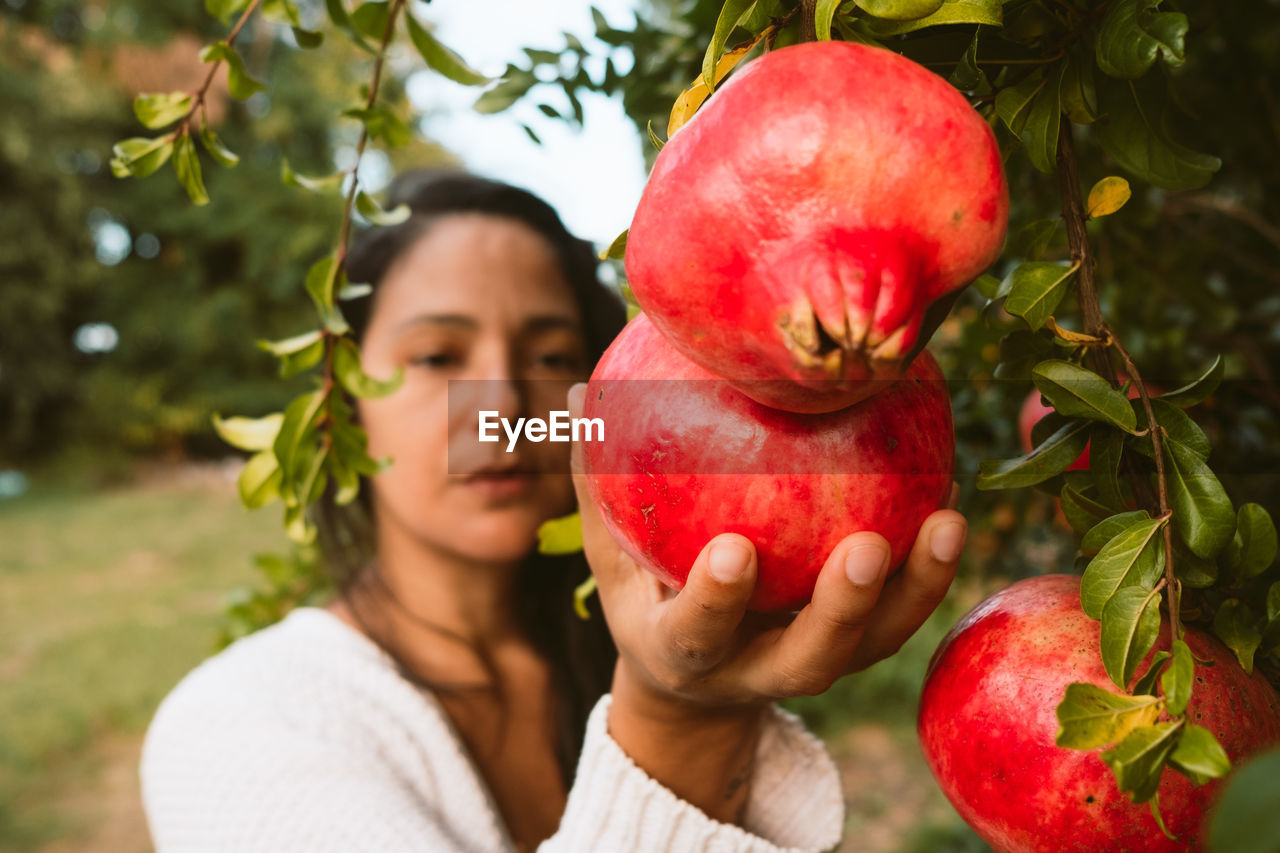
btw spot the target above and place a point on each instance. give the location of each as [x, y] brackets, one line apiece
[808, 20]
[1094, 324]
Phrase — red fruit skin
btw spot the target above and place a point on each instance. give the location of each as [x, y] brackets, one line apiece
[686, 460]
[987, 726]
[798, 226]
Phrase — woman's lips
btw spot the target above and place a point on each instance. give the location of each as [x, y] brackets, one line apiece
[497, 485]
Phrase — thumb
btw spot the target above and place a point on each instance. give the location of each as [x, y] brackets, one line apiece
[594, 532]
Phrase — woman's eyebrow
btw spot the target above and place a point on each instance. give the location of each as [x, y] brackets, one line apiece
[439, 320]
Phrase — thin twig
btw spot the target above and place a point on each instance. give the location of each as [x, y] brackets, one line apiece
[198, 96]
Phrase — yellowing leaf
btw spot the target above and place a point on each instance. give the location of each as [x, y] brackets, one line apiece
[690, 99]
[1107, 196]
[560, 535]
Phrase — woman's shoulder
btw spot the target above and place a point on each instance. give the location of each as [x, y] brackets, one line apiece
[309, 672]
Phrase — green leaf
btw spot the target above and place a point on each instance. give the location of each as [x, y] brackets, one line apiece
[369, 208]
[1177, 425]
[1132, 558]
[259, 480]
[1077, 392]
[560, 535]
[161, 110]
[987, 285]
[1043, 119]
[968, 76]
[1053, 456]
[617, 249]
[1033, 239]
[1138, 760]
[1194, 392]
[733, 13]
[1013, 103]
[281, 11]
[1079, 93]
[653, 138]
[951, 12]
[299, 419]
[1146, 683]
[1090, 717]
[1177, 679]
[1252, 549]
[140, 156]
[1082, 511]
[186, 163]
[823, 12]
[1107, 196]
[1036, 289]
[251, 434]
[1195, 572]
[307, 39]
[1106, 448]
[1203, 512]
[1131, 129]
[219, 152]
[509, 89]
[1246, 819]
[370, 19]
[441, 59]
[1273, 601]
[1235, 625]
[322, 283]
[1131, 37]
[894, 10]
[1270, 642]
[382, 124]
[346, 366]
[223, 10]
[1199, 756]
[338, 15]
[1107, 529]
[328, 183]
[346, 478]
[581, 593]
[296, 354]
[239, 83]
[1130, 626]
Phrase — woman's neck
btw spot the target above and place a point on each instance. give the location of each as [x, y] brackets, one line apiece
[442, 613]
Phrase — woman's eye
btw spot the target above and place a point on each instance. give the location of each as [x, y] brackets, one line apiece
[436, 360]
[559, 361]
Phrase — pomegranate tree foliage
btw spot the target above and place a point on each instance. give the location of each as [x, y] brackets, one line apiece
[1139, 138]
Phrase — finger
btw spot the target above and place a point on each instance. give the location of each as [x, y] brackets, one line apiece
[915, 591]
[698, 625]
[816, 648]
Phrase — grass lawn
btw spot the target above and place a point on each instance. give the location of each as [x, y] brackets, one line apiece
[108, 598]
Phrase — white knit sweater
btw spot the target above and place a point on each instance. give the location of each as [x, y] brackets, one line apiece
[303, 737]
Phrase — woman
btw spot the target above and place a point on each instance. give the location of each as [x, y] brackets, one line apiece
[448, 700]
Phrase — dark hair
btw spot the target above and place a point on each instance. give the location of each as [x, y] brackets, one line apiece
[580, 653]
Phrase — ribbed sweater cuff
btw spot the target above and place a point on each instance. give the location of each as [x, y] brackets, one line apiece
[795, 804]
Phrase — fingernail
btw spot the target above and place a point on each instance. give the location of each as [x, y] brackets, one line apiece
[946, 541]
[865, 563]
[577, 392]
[728, 561]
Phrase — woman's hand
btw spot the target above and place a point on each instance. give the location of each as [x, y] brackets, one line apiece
[697, 662]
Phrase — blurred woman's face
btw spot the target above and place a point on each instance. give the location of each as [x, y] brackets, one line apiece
[479, 298]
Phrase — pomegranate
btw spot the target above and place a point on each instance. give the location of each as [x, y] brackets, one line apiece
[988, 721]
[686, 456]
[800, 224]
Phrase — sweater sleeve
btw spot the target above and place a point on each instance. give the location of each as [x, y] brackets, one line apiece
[795, 804]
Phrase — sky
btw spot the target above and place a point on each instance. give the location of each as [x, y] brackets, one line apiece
[593, 176]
